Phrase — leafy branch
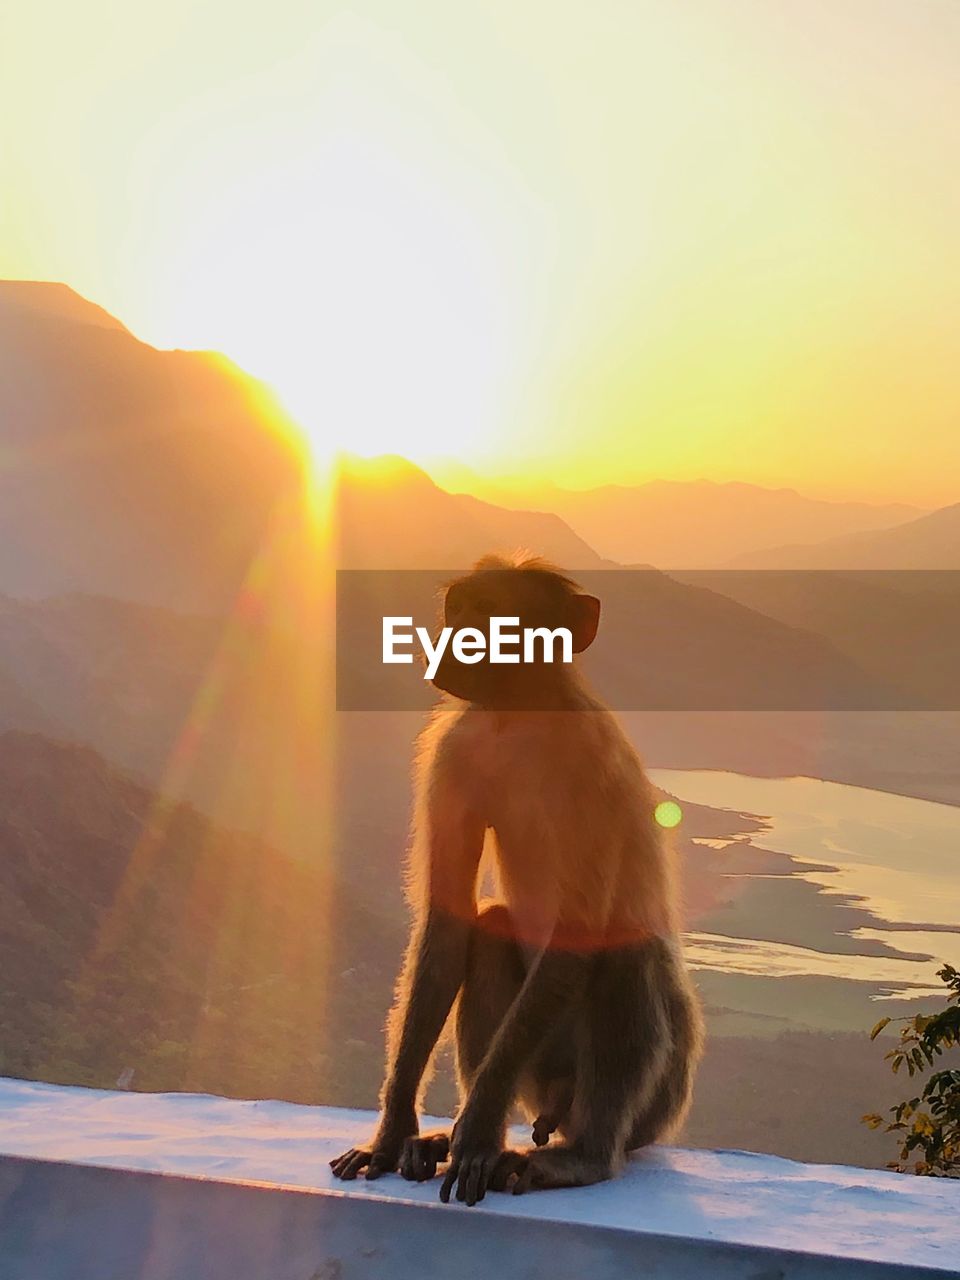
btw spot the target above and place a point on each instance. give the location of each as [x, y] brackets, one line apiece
[929, 1124]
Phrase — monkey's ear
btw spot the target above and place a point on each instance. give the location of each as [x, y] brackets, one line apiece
[584, 623]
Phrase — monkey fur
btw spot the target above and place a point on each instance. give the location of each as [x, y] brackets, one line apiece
[572, 999]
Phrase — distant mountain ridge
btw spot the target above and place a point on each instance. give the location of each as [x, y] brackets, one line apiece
[932, 541]
[900, 627]
[391, 515]
[694, 524]
[160, 476]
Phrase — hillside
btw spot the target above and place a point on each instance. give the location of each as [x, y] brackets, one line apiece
[17, 709]
[197, 705]
[899, 627]
[931, 541]
[663, 644]
[54, 301]
[389, 514]
[118, 675]
[149, 474]
[137, 935]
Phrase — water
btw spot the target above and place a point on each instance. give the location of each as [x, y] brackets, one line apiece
[899, 856]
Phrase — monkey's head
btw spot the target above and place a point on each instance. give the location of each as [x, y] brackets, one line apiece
[542, 599]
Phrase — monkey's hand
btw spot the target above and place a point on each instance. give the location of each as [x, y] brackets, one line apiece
[478, 1163]
[383, 1154]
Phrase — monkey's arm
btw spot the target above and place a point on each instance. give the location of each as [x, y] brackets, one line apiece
[431, 978]
[432, 974]
[556, 978]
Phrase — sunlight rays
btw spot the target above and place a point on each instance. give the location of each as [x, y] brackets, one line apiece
[260, 733]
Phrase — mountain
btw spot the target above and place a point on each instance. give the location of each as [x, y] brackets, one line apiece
[198, 706]
[17, 709]
[136, 935]
[931, 541]
[696, 524]
[899, 627]
[154, 475]
[54, 301]
[390, 515]
[118, 675]
[663, 645]
[671, 645]
[162, 476]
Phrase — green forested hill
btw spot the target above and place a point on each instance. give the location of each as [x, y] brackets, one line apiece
[136, 934]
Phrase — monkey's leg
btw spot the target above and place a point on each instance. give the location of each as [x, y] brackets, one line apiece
[555, 984]
[624, 1048]
[494, 975]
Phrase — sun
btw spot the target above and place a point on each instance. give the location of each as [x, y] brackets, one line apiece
[382, 315]
[392, 340]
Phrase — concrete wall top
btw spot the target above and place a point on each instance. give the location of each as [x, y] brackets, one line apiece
[739, 1213]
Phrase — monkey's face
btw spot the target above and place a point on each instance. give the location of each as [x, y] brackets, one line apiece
[538, 598]
[471, 602]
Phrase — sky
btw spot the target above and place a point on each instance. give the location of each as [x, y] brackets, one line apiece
[610, 240]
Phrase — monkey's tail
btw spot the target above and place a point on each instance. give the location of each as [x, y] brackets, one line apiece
[667, 1107]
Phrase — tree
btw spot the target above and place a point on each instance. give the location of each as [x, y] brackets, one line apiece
[929, 1124]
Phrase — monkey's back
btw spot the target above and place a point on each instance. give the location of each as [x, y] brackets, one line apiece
[577, 847]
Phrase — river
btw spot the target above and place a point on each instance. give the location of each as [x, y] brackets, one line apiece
[897, 857]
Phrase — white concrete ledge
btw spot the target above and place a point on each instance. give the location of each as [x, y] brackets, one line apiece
[102, 1186]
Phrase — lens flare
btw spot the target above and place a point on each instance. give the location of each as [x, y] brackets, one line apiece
[668, 814]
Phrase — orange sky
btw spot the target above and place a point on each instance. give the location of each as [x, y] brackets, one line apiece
[590, 242]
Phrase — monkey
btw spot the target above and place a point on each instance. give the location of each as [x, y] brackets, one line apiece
[569, 992]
